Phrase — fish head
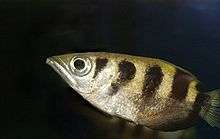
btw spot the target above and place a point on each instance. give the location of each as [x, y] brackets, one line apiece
[89, 74]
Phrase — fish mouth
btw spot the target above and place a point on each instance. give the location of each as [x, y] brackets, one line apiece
[62, 69]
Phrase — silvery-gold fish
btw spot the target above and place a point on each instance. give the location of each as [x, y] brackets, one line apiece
[146, 91]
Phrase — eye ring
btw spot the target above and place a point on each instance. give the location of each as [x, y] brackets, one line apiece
[80, 66]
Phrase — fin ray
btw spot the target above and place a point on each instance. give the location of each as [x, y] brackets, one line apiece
[211, 110]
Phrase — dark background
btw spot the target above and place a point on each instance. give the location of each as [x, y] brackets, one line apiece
[36, 102]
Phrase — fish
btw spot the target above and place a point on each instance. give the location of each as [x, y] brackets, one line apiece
[146, 91]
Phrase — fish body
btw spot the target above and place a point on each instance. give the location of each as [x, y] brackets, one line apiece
[146, 91]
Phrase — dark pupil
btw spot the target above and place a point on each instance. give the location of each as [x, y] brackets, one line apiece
[79, 64]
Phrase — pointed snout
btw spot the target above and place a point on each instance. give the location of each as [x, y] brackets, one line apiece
[49, 61]
[60, 65]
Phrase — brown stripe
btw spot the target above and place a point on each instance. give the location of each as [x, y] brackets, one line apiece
[180, 85]
[153, 78]
[201, 87]
[127, 72]
[100, 64]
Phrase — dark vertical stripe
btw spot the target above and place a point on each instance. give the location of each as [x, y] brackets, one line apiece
[180, 85]
[153, 78]
[100, 64]
[127, 72]
[201, 87]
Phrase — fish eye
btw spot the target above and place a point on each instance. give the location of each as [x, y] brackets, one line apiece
[80, 66]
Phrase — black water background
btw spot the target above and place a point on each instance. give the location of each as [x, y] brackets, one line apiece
[185, 33]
